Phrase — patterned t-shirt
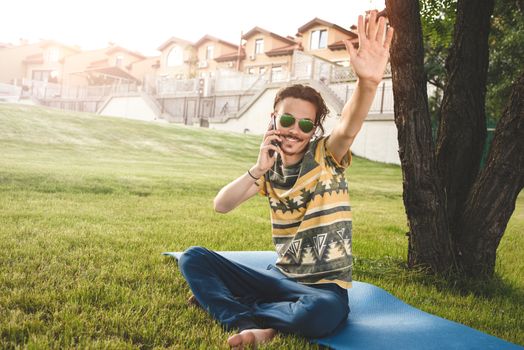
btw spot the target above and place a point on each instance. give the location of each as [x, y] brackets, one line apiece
[311, 217]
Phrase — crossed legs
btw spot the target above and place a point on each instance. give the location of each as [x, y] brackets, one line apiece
[260, 302]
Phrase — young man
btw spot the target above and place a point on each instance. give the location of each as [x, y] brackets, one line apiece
[305, 293]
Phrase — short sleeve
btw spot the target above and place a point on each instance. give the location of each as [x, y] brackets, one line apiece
[344, 163]
[324, 156]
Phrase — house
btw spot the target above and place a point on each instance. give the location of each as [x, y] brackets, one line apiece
[213, 53]
[326, 40]
[177, 59]
[42, 61]
[233, 60]
[267, 52]
[146, 71]
[107, 66]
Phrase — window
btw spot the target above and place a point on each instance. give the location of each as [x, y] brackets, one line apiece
[318, 39]
[259, 46]
[52, 55]
[209, 52]
[261, 70]
[174, 57]
[251, 70]
[119, 60]
[276, 73]
[41, 75]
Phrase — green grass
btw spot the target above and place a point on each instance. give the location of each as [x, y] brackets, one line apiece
[88, 203]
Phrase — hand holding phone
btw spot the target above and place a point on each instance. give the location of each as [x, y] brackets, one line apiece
[274, 142]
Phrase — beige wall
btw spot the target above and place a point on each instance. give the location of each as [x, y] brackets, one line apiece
[53, 61]
[333, 36]
[183, 70]
[219, 49]
[131, 107]
[261, 59]
[127, 59]
[377, 140]
[143, 68]
[228, 65]
[76, 64]
[12, 66]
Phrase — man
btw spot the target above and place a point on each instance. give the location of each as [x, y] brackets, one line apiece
[302, 173]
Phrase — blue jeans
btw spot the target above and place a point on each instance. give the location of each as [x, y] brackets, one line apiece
[245, 298]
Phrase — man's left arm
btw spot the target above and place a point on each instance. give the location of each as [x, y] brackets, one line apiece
[368, 63]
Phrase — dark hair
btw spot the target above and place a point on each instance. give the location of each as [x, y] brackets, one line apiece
[305, 93]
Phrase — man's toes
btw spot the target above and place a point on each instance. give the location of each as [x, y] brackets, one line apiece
[235, 340]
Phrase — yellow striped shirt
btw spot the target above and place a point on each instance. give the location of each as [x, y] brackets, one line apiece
[311, 220]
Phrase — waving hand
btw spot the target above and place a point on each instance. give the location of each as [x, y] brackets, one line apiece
[369, 61]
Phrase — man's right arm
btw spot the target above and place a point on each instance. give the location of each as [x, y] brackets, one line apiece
[245, 187]
[235, 193]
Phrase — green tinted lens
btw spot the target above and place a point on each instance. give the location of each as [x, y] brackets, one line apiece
[287, 120]
[306, 125]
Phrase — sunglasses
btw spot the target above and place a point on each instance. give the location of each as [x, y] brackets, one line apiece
[287, 120]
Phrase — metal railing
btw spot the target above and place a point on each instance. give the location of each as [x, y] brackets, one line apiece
[306, 66]
[9, 91]
[171, 86]
[45, 90]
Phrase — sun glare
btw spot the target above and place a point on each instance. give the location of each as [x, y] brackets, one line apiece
[145, 26]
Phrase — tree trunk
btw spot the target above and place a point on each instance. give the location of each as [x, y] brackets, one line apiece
[429, 239]
[492, 199]
[462, 129]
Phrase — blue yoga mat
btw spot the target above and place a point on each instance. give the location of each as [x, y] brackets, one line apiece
[380, 321]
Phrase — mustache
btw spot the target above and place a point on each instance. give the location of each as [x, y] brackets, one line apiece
[294, 135]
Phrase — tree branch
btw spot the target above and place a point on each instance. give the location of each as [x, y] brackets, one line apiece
[462, 130]
[492, 199]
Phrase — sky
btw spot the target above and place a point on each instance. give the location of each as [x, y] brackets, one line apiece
[144, 26]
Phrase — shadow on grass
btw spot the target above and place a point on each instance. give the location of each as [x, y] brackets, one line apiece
[394, 270]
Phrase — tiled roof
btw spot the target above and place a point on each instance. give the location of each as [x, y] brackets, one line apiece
[212, 38]
[173, 40]
[339, 45]
[266, 32]
[231, 56]
[284, 50]
[36, 58]
[114, 72]
[317, 20]
[99, 63]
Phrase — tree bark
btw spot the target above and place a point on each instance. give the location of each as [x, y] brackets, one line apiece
[462, 129]
[492, 199]
[424, 200]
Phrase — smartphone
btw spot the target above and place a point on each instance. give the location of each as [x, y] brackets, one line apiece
[274, 142]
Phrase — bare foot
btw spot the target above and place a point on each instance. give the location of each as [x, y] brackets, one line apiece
[251, 338]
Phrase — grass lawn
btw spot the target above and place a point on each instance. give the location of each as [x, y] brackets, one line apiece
[89, 203]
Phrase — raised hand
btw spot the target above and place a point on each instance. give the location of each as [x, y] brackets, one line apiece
[369, 61]
[266, 158]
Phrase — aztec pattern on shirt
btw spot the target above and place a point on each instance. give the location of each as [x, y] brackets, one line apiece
[311, 220]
